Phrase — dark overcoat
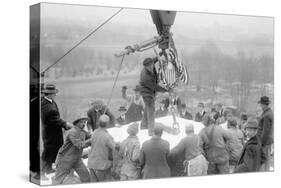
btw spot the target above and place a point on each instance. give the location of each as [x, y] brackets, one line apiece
[52, 125]
[250, 159]
[265, 131]
[153, 158]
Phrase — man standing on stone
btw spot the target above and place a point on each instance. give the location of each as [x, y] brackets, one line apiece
[265, 132]
[52, 125]
[148, 88]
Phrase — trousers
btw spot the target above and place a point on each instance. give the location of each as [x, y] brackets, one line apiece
[64, 168]
[149, 114]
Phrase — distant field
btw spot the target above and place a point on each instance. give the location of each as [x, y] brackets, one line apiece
[74, 96]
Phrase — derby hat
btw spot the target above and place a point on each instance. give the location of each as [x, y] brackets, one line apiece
[50, 89]
[264, 100]
[147, 61]
[122, 109]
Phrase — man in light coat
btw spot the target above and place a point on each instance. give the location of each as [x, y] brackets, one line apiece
[100, 158]
[130, 152]
[213, 142]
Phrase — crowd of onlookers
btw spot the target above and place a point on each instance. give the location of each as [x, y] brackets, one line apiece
[245, 144]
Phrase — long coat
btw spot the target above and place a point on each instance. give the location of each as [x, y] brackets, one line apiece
[52, 125]
[153, 157]
[265, 131]
[250, 159]
[93, 117]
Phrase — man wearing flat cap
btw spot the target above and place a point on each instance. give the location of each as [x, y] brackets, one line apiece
[100, 159]
[148, 88]
[250, 159]
[130, 152]
[265, 132]
[52, 126]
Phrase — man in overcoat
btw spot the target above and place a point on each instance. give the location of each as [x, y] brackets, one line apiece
[154, 155]
[250, 159]
[265, 132]
[148, 88]
[52, 126]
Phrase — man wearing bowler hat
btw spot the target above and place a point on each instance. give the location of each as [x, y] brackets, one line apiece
[250, 159]
[136, 104]
[52, 126]
[122, 119]
[265, 132]
[148, 88]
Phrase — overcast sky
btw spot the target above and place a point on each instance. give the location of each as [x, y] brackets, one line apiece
[138, 17]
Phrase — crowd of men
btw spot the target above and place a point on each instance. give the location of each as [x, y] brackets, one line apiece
[246, 145]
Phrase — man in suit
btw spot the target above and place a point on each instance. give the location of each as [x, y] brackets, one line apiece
[98, 108]
[153, 156]
[52, 126]
[265, 132]
[184, 113]
[201, 112]
[250, 159]
[122, 119]
[148, 88]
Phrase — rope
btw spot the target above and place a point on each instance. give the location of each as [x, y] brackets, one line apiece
[95, 30]
[114, 84]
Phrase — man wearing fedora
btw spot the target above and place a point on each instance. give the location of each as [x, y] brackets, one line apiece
[250, 159]
[265, 132]
[148, 88]
[52, 126]
[70, 154]
[135, 104]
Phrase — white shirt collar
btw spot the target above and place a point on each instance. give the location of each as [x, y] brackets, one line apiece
[50, 100]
